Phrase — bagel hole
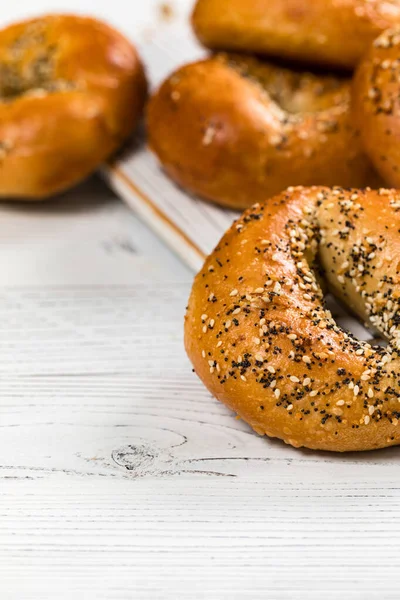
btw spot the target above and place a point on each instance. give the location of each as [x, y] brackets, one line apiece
[14, 82]
[349, 322]
[28, 66]
[296, 91]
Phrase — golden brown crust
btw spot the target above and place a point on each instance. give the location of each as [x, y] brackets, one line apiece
[333, 32]
[236, 130]
[263, 343]
[71, 90]
[376, 105]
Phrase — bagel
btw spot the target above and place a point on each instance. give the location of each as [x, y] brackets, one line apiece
[261, 340]
[376, 105]
[330, 32]
[71, 90]
[235, 130]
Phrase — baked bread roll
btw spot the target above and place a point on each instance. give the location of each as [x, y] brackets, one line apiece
[236, 130]
[330, 32]
[71, 91]
[261, 339]
[376, 106]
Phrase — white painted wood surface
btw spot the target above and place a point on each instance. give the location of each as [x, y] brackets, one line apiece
[120, 477]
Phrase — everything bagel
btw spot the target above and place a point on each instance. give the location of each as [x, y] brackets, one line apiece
[262, 341]
[376, 106]
[236, 130]
[333, 32]
[71, 90]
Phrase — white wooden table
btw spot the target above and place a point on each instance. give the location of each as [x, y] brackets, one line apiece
[120, 477]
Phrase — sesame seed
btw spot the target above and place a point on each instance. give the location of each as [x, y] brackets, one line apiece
[294, 379]
[271, 369]
[290, 407]
[356, 390]
[313, 393]
[306, 359]
[366, 419]
[277, 393]
[209, 135]
[234, 292]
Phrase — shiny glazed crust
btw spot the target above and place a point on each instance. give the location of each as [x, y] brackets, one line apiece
[333, 32]
[71, 90]
[376, 105]
[261, 340]
[236, 130]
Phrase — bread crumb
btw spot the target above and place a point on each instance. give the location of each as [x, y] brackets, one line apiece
[166, 11]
